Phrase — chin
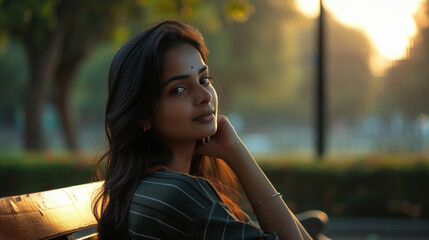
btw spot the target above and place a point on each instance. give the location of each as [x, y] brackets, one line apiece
[210, 132]
[213, 130]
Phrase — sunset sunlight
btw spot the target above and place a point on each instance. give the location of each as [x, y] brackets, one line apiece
[388, 24]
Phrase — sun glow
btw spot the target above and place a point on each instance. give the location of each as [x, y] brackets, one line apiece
[389, 24]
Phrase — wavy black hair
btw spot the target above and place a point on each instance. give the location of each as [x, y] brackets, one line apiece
[134, 86]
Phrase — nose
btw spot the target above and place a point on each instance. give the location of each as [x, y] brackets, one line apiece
[204, 96]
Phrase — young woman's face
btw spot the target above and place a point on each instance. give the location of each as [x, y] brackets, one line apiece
[187, 109]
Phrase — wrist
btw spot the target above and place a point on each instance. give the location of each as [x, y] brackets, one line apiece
[237, 156]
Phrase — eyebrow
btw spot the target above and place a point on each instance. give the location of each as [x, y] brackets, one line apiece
[183, 76]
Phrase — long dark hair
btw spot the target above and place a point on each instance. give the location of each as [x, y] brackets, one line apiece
[134, 88]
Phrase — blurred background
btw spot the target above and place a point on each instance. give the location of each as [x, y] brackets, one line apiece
[265, 57]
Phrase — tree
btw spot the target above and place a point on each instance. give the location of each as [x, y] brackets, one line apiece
[406, 81]
[40, 26]
[91, 23]
[13, 75]
[57, 35]
[258, 64]
[350, 81]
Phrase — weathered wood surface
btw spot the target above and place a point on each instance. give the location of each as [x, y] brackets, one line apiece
[49, 214]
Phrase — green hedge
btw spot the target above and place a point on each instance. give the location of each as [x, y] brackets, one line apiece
[27, 173]
[370, 186]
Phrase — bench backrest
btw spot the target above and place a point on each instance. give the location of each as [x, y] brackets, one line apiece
[49, 214]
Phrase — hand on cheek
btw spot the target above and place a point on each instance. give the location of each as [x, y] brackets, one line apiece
[222, 143]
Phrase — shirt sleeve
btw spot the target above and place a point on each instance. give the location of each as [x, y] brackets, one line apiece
[214, 222]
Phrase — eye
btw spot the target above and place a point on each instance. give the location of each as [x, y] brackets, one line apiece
[206, 80]
[177, 90]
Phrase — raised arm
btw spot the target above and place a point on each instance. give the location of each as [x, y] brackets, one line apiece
[270, 209]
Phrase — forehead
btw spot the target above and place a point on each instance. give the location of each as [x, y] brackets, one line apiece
[180, 59]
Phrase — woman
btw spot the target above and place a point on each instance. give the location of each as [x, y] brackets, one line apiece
[172, 163]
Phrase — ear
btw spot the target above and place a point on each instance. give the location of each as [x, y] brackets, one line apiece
[145, 124]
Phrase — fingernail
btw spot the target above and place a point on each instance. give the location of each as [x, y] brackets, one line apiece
[208, 139]
[203, 141]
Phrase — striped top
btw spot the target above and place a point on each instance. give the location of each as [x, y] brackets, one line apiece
[169, 205]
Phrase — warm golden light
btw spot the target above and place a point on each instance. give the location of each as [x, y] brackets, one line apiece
[309, 8]
[389, 24]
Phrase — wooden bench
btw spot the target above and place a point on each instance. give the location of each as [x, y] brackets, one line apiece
[66, 214]
[57, 214]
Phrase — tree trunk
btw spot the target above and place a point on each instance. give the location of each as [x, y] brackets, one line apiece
[73, 54]
[63, 85]
[43, 61]
[43, 56]
[35, 98]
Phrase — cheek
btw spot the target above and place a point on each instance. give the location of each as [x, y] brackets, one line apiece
[214, 97]
[171, 115]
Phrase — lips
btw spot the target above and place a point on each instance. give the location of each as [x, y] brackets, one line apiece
[206, 116]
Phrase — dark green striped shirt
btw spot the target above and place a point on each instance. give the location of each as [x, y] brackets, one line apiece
[169, 205]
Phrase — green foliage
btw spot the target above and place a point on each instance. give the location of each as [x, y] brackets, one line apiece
[258, 65]
[90, 90]
[18, 16]
[372, 186]
[13, 75]
[34, 172]
[239, 10]
[368, 186]
[263, 66]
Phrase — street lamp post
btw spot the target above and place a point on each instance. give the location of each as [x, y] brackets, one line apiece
[320, 88]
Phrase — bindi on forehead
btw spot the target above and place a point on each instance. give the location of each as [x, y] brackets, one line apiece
[192, 67]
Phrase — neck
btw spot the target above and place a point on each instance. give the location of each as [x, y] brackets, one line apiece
[182, 156]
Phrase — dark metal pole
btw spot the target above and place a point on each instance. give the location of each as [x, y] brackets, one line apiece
[320, 88]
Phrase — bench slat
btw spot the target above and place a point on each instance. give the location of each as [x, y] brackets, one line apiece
[49, 214]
